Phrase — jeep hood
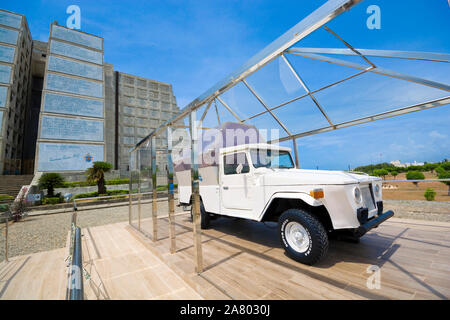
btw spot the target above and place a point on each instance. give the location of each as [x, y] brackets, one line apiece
[283, 177]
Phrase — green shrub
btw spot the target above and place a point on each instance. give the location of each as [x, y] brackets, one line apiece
[91, 184]
[4, 207]
[53, 200]
[430, 194]
[446, 165]
[117, 181]
[445, 175]
[50, 181]
[86, 195]
[415, 175]
[95, 194]
[6, 197]
[380, 172]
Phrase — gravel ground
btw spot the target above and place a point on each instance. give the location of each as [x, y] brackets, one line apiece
[48, 232]
[420, 209]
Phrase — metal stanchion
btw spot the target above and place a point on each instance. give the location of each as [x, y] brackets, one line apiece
[170, 195]
[130, 186]
[6, 239]
[195, 195]
[138, 166]
[154, 192]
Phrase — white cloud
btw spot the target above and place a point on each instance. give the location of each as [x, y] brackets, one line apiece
[437, 135]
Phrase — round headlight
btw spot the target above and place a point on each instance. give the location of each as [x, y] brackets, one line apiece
[357, 194]
[377, 190]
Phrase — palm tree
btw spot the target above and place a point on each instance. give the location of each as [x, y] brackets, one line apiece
[97, 174]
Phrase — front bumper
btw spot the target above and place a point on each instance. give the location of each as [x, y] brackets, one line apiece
[373, 223]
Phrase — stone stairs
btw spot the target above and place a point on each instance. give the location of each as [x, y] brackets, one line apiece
[11, 185]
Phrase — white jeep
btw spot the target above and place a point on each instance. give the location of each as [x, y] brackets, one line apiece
[259, 182]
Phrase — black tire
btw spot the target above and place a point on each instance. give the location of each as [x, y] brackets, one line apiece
[204, 216]
[317, 235]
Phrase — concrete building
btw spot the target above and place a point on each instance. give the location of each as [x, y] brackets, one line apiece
[143, 105]
[15, 84]
[71, 124]
[70, 106]
[398, 164]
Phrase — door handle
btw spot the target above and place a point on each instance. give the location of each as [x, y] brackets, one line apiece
[225, 187]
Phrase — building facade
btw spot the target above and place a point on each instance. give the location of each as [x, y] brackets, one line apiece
[71, 122]
[143, 105]
[15, 84]
[62, 107]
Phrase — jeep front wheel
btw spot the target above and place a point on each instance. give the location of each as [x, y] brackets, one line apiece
[303, 236]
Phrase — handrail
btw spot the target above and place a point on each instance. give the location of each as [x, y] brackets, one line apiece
[76, 276]
[75, 287]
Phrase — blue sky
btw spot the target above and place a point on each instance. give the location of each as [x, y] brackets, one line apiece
[194, 44]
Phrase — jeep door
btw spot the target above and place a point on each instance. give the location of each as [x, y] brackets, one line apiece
[235, 186]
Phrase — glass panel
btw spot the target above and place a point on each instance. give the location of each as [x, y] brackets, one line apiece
[75, 68]
[66, 157]
[72, 85]
[10, 19]
[3, 94]
[8, 35]
[77, 37]
[71, 129]
[236, 161]
[128, 140]
[7, 54]
[72, 105]
[5, 74]
[76, 52]
[134, 178]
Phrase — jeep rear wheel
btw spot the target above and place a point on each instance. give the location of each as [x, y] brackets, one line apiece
[303, 236]
[204, 216]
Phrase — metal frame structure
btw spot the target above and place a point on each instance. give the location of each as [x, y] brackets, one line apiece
[283, 47]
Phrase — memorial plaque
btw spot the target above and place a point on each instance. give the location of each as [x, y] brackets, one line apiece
[82, 87]
[57, 103]
[68, 157]
[75, 68]
[59, 128]
[77, 37]
[8, 35]
[72, 51]
[5, 73]
[7, 54]
[3, 95]
[10, 19]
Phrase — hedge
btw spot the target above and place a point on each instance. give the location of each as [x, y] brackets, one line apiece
[92, 184]
[53, 200]
[95, 194]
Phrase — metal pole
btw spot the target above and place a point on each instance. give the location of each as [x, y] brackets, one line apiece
[6, 240]
[297, 161]
[76, 277]
[154, 193]
[170, 193]
[138, 166]
[130, 187]
[195, 195]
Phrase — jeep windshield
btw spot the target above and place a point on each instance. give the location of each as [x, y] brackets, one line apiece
[271, 159]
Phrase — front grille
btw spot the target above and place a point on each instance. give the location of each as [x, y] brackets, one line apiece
[367, 197]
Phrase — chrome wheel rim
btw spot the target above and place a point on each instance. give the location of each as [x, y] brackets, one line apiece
[297, 236]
